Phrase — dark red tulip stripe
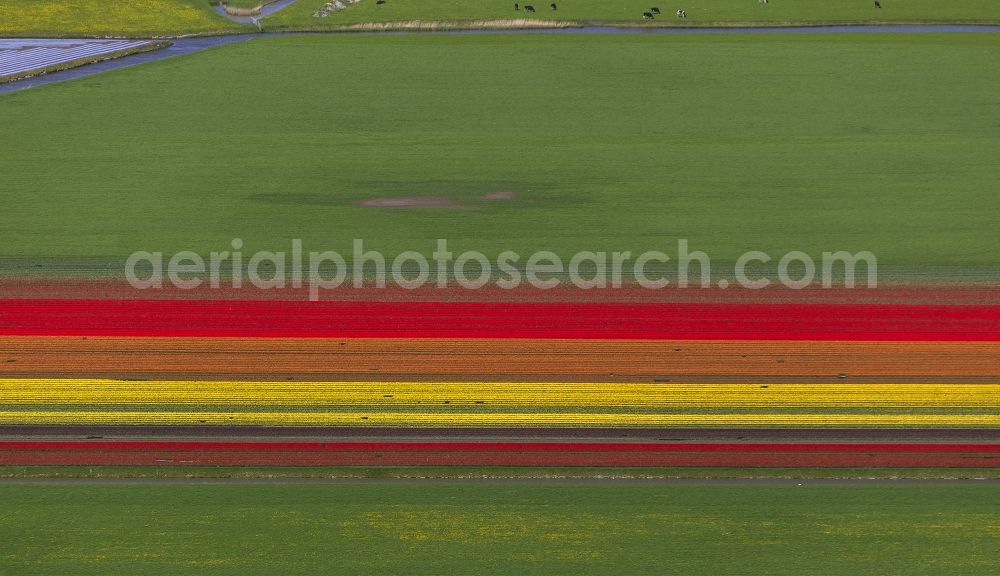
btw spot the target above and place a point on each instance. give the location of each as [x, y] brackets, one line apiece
[496, 453]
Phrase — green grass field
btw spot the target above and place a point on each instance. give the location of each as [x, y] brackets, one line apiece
[489, 528]
[138, 18]
[143, 18]
[782, 142]
[299, 15]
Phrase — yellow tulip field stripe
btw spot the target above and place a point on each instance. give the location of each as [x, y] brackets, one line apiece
[464, 419]
[470, 404]
[399, 395]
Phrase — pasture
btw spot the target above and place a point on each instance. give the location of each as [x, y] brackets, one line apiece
[543, 142]
[699, 12]
[491, 528]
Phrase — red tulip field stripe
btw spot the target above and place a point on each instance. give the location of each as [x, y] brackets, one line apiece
[498, 454]
[653, 321]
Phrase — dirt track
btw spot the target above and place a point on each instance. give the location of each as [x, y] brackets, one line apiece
[344, 433]
[932, 293]
[492, 359]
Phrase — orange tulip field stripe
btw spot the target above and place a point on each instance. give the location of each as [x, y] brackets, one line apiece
[567, 360]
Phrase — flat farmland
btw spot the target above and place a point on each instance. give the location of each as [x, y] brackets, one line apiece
[300, 14]
[734, 142]
[490, 528]
[564, 142]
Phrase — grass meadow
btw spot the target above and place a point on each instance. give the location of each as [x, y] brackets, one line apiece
[699, 12]
[607, 142]
[490, 528]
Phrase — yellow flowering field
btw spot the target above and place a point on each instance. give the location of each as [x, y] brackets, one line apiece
[131, 18]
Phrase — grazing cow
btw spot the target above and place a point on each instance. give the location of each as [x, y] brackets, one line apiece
[878, 4]
[380, 1]
[517, 7]
[529, 8]
[553, 6]
[647, 15]
[654, 10]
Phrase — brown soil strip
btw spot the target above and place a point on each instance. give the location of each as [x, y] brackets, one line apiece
[196, 457]
[411, 202]
[500, 434]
